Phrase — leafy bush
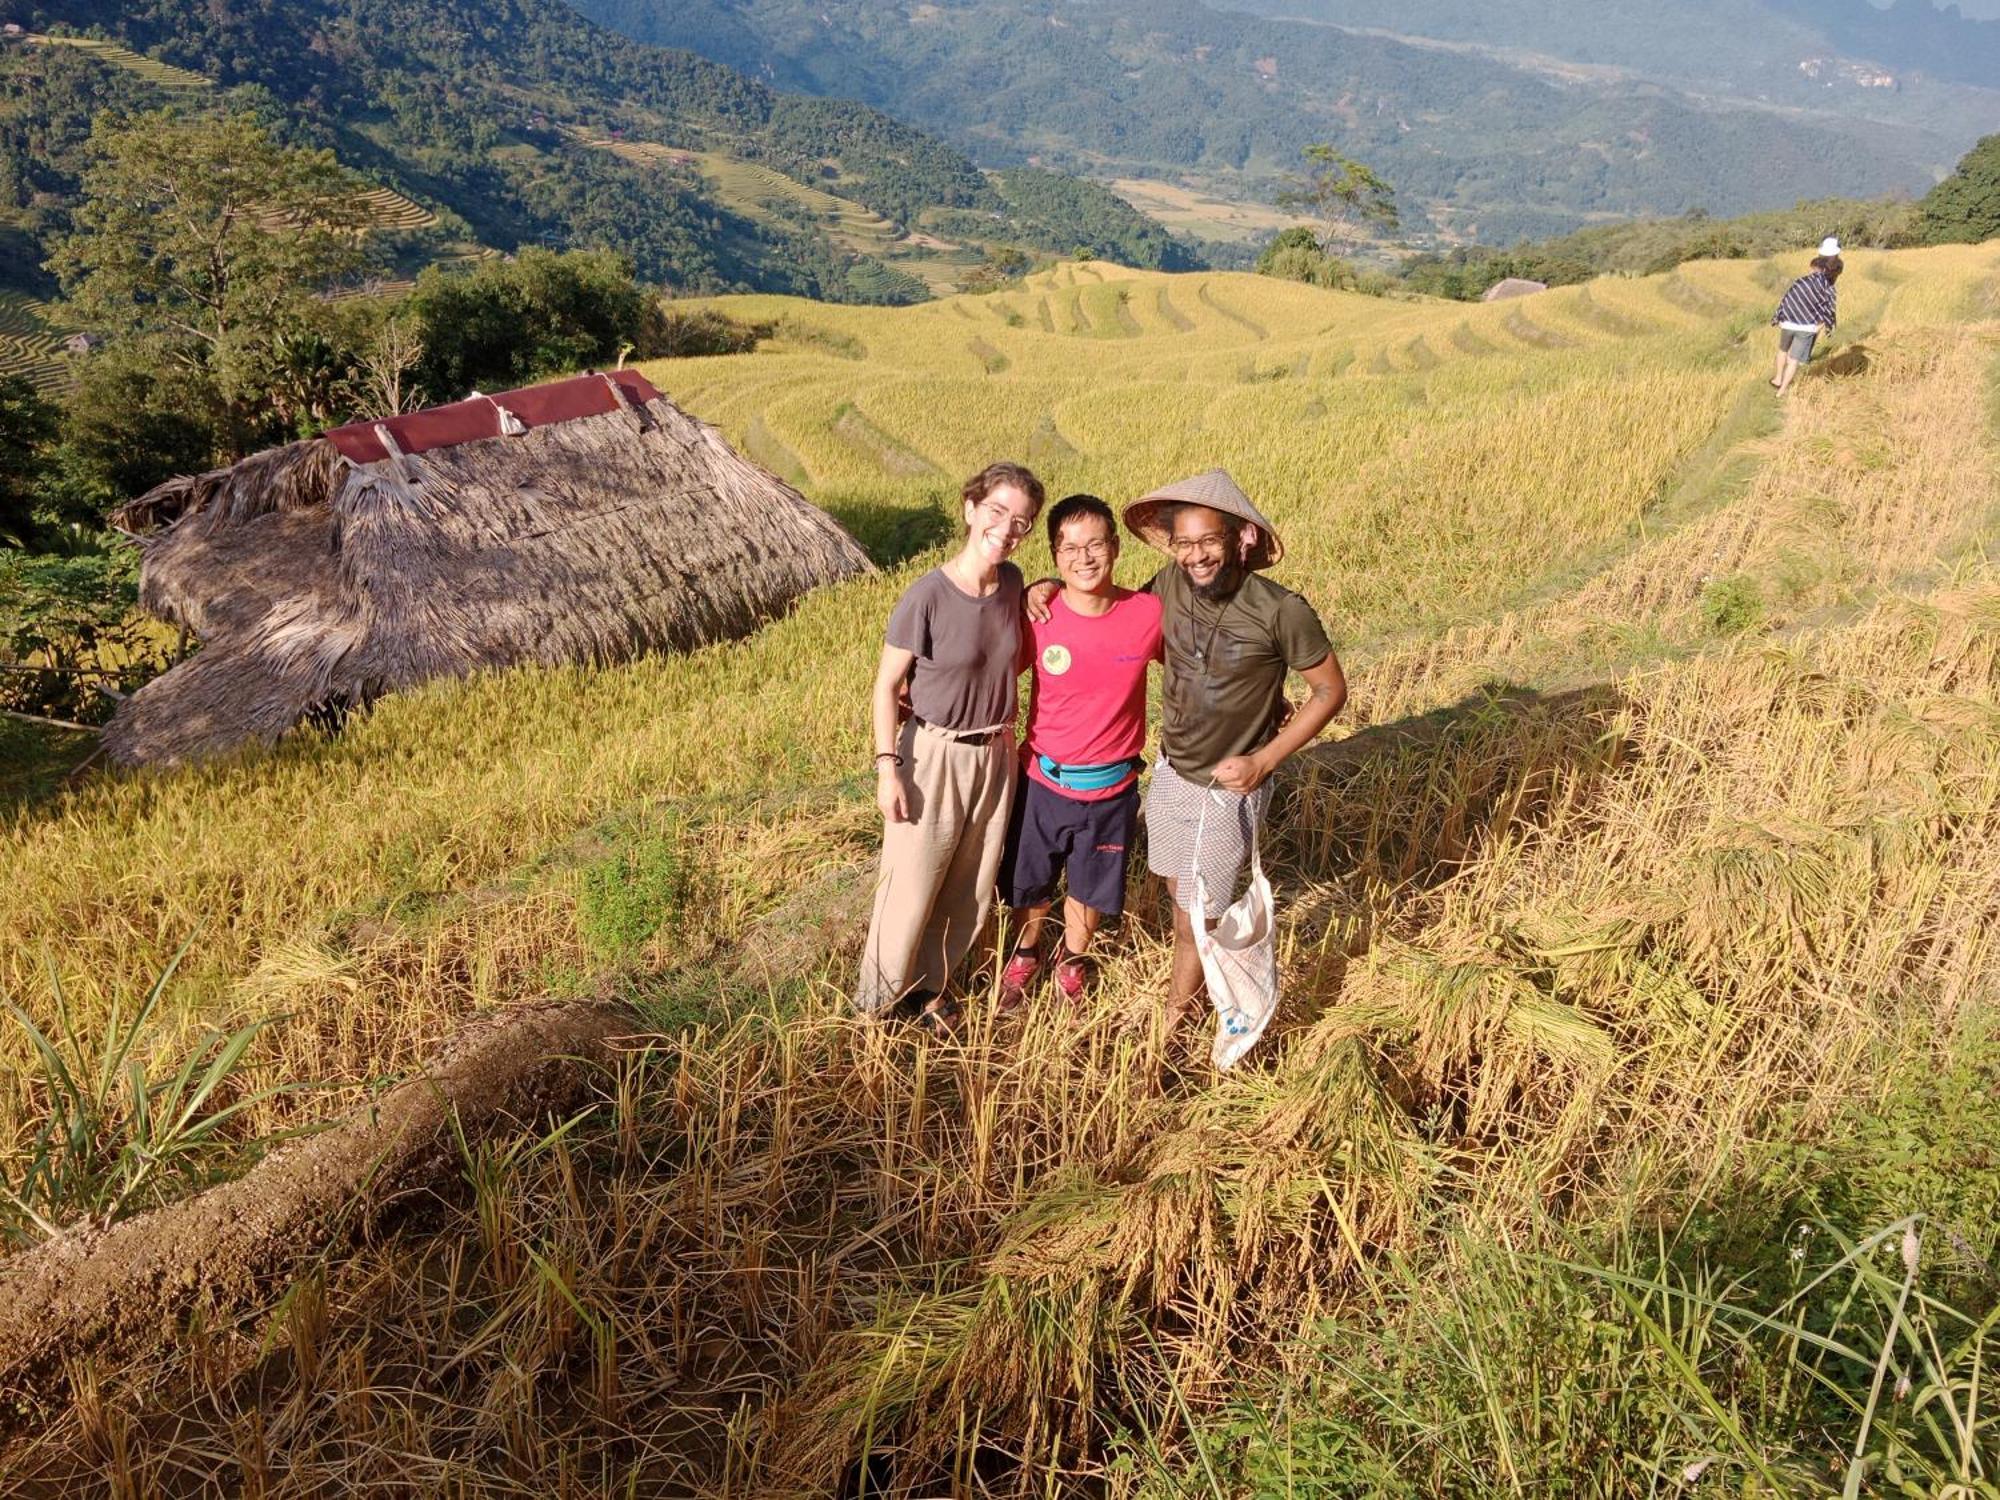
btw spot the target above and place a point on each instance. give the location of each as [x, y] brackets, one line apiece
[68, 627]
[1294, 255]
[670, 332]
[27, 428]
[510, 323]
[630, 895]
[130, 424]
[1730, 606]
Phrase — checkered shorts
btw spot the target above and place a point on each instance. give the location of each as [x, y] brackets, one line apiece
[1173, 816]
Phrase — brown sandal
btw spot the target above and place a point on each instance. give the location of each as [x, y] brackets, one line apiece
[940, 1017]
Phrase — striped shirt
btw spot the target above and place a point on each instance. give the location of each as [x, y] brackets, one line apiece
[1809, 301]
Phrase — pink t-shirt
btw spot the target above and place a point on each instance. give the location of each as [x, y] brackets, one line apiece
[1089, 702]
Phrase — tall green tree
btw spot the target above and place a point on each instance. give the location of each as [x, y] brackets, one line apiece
[205, 240]
[507, 323]
[1342, 195]
[27, 430]
[1965, 208]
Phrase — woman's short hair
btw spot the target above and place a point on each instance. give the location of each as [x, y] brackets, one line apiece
[993, 476]
[1829, 266]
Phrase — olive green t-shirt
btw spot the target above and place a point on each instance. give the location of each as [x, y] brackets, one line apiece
[1226, 665]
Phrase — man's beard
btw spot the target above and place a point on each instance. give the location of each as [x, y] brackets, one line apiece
[1227, 580]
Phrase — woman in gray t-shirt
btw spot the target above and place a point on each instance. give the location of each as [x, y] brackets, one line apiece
[944, 778]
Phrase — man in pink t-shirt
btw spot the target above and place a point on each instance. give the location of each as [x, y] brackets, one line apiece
[1077, 803]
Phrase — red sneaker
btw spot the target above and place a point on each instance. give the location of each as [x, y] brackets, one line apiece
[1017, 977]
[1073, 977]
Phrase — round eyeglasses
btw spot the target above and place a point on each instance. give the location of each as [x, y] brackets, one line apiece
[1188, 546]
[995, 514]
[1091, 551]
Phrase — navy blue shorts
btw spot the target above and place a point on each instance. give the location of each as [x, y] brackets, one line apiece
[1049, 834]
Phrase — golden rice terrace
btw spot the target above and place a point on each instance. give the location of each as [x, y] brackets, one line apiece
[1652, 874]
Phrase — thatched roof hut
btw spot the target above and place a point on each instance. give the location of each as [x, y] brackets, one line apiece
[586, 520]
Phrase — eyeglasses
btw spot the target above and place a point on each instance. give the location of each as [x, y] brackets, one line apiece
[1187, 546]
[1094, 551]
[995, 513]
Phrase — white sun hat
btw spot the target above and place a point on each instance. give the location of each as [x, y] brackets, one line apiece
[1830, 245]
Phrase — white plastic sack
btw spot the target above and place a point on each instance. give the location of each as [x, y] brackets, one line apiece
[1239, 958]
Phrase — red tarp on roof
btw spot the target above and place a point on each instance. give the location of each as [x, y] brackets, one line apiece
[463, 421]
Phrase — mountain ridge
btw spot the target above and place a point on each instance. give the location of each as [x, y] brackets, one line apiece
[478, 109]
[1225, 98]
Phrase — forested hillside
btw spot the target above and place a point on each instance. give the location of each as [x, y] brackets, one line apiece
[490, 113]
[1765, 39]
[1487, 145]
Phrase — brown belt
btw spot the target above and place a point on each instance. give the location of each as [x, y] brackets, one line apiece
[962, 736]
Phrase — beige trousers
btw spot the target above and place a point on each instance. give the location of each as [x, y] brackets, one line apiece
[936, 884]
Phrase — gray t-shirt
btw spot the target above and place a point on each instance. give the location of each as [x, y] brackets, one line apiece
[967, 649]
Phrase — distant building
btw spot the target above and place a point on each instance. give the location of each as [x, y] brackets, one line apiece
[83, 343]
[1513, 286]
[1832, 70]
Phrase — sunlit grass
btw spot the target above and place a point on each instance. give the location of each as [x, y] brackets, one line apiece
[1617, 882]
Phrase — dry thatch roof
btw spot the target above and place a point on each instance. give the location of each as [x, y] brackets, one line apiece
[1513, 286]
[582, 521]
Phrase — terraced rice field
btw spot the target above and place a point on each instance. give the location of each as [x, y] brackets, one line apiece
[750, 186]
[382, 208]
[1658, 848]
[752, 189]
[767, 196]
[385, 208]
[29, 347]
[1116, 378]
[161, 75]
[389, 209]
[1190, 211]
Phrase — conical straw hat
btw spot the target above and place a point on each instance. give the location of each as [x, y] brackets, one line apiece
[1216, 490]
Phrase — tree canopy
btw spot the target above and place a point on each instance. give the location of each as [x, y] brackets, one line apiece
[207, 240]
[509, 323]
[1965, 208]
[27, 427]
[1342, 195]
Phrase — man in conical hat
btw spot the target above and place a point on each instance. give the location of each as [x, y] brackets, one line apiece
[1231, 636]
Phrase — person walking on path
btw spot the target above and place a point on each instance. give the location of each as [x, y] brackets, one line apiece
[1808, 310]
[944, 778]
[1230, 636]
[1076, 805]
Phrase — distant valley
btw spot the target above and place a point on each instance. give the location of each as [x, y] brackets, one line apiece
[1493, 122]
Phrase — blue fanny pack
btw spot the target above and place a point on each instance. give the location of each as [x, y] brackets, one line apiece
[1087, 778]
